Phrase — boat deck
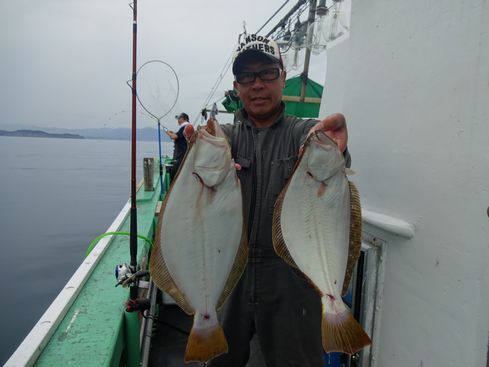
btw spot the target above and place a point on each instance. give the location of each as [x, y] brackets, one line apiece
[170, 338]
[171, 330]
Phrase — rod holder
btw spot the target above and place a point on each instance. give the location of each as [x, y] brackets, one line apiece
[148, 173]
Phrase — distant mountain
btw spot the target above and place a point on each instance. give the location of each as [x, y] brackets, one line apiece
[142, 134]
[39, 134]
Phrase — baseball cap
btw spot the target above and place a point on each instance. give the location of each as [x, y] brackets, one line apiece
[259, 45]
[183, 114]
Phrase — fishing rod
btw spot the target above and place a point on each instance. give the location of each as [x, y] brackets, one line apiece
[228, 63]
[133, 240]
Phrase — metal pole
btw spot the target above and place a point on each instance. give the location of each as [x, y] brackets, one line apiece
[146, 329]
[305, 73]
[161, 158]
[133, 243]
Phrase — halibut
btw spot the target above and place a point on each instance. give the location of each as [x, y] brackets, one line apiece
[201, 247]
[317, 229]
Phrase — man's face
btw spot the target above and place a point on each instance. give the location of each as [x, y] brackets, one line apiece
[261, 98]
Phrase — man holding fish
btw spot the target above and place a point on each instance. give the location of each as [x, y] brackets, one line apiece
[275, 228]
[272, 298]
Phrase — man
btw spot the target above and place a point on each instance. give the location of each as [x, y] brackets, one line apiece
[271, 299]
[180, 143]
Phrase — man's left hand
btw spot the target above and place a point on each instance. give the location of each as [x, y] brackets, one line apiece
[335, 127]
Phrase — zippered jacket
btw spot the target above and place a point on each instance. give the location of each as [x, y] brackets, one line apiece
[267, 157]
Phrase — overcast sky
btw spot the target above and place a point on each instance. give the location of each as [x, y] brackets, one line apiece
[65, 63]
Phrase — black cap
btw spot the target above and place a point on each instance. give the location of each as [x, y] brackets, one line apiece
[183, 115]
[253, 45]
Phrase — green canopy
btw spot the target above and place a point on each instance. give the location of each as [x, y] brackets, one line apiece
[291, 98]
[312, 100]
[231, 102]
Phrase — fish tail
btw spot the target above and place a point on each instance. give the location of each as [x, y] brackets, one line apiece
[342, 333]
[205, 344]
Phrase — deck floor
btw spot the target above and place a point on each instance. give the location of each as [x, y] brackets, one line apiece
[168, 344]
[170, 339]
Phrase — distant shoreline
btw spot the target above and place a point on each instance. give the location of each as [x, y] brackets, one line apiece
[118, 134]
[38, 134]
[43, 134]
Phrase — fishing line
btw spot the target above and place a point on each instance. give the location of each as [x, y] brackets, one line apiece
[227, 65]
[218, 81]
[218, 100]
[268, 21]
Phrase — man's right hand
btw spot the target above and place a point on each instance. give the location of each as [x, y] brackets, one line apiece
[171, 134]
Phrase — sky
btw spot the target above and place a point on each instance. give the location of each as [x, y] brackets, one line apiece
[65, 63]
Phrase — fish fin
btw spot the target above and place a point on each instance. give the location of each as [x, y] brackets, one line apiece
[205, 344]
[160, 273]
[342, 333]
[279, 242]
[237, 269]
[349, 171]
[277, 236]
[355, 245]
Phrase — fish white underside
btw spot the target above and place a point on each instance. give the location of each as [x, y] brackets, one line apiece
[316, 228]
[201, 232]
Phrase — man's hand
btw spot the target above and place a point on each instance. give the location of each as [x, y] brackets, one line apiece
[171, 134]
[335, 127]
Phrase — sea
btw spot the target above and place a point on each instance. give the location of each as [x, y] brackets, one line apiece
[56, 196]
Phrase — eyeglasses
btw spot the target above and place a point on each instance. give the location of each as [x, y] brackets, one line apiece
[267, 75]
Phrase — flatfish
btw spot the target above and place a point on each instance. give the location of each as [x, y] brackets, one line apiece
[317, 229]
[201, 247]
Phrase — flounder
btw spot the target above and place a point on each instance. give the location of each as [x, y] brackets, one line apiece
[201, 247]
[317, 229]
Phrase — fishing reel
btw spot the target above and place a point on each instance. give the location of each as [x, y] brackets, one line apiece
[123, 272]
[126, 277]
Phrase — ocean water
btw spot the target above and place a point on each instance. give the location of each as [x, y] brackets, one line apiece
[56, 196]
